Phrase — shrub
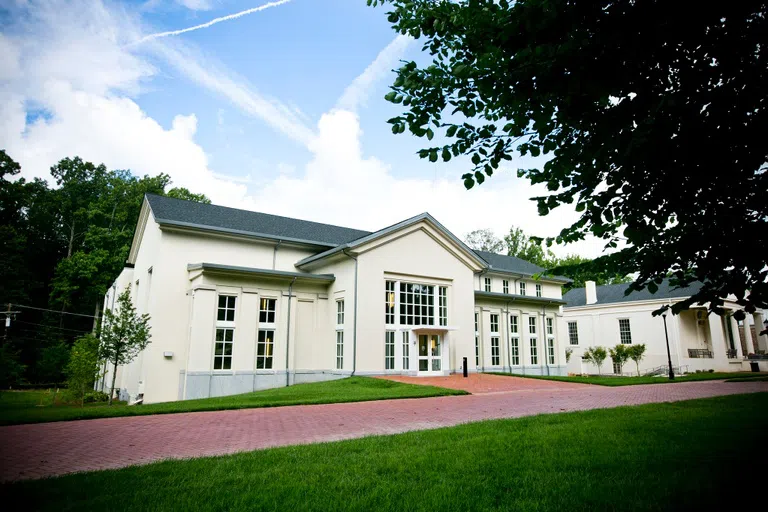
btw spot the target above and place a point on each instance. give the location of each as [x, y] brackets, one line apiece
[94, 397]
[619, 355]
[83, 367]
[568, 354]
[11, 371]
[636, 353]
[596, 356]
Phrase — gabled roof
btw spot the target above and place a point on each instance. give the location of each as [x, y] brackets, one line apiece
[391, 229]
[614, 293]
[261, 272]
[515, 265]
[512, 297]
[177, 212]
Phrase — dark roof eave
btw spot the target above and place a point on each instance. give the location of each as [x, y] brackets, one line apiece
[542, 277]
[274, 274]
[517, 298]
[244, 234]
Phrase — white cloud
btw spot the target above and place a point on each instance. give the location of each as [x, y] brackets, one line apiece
[195, 5]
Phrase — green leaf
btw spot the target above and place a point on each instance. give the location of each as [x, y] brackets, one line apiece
[479, 177]
[433, 156]
[430, 134]
[446, 155]
[652, 287]
[476, 159]
[451, 130]
[390, 96]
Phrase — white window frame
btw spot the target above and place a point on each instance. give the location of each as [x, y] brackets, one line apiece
[494, 323]
[573, 333]
[488, 284]
[340, 312]
[495, 352]
[505, 286]
[616, 369]
[534, 351]
[443, 305]
[551, 350]
[340, 349]
[477, 339]
[550, 326]
[531, 325]
[419, 297]
[265, 349]
[389, 350]
[267, 312]
[515, 343]
[223, 349]
[390, 302]
[522, 287]
[538, 290]
[625, 331]
[406, 350]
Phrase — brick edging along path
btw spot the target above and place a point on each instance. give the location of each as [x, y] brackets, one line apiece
[47, 449]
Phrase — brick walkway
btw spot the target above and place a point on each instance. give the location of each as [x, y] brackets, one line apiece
[34, 451]
[477, 383]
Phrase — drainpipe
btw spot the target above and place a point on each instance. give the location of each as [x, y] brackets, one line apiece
[509, 343]
[274, 254]
[545, 344]
[288, 333]
[354, 332]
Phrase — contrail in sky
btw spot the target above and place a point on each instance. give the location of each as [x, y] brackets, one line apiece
[214, 21]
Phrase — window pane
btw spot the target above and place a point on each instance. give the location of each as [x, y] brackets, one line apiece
[217, 363]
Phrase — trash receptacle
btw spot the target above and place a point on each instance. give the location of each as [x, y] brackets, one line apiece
[754, 366]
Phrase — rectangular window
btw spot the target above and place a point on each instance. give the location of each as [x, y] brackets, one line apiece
[494, 323]
[340, 312]
[617, 368]
[505, 286]
[389, 350]
[443, 305]
[417, 304]
[222, 356]
[488, 284]
[267, 308]
[477, 341]
[226, 311]
[625, 334]
[389, 303]
[551, 350]
[406, 351]
[538, 290]
[522, 288]
[495, 359]
[513, 327]
[515, 351]
[573, 333]
[550, 327]
[339, 350]
[531, 325]
[264, 349]
[534, 352]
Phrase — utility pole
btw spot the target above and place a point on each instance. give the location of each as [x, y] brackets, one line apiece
[8, 314]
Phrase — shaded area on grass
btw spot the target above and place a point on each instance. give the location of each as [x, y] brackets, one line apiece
[604, 380]
[760, 378]
[22, 406]
[650, 457]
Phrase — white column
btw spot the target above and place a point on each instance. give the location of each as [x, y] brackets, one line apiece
[736, 338]
[718, 339]
[762, 341]
[748, 338]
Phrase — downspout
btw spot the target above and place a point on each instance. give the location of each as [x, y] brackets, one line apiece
[544, 335]
[274, 254]
[509, 343]
[354, 332]
[288, 333]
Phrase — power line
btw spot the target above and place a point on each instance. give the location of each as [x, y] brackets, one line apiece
[51, 326]
[53, 311]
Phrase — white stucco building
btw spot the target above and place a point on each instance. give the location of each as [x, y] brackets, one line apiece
[605, 316]
[241, 301]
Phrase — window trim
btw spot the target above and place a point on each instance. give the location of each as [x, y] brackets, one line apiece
[551, 350]
[223, 356]
[340, 349]
[442, 305]
[494, 323]
[427, 319]
[534, 350]
[522, 287]
[406, 350]
[390, 302]
[389, 342]
[573, 334]
[505, 286]
[627, 332]
[487, 283]
[532, 325]
[266, 324]
[550, 324]
[495, 351]
[340, 317]
[538, 290]
[268, 343]
[515, 354]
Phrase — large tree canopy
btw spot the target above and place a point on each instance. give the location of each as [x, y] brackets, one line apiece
[651, 115]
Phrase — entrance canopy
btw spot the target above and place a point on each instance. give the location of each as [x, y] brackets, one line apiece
[433, 329]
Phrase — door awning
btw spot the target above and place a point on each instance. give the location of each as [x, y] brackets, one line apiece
[433, 329]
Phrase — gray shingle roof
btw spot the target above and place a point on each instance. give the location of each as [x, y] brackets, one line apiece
[513, 264]
[168, 210]
[613, 293]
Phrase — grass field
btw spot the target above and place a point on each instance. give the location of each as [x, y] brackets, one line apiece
[671, 456]
[633, 381]
[24, 406]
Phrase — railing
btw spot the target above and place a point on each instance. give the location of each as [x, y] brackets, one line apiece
[732, 353]
[699, 353]
[664, 370]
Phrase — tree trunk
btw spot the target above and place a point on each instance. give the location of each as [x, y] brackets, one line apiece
[71, 239]
[97, 311]
[637, 363]
[114, 376]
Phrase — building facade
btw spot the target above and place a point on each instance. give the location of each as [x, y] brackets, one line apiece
[241, 301]
[605, 316]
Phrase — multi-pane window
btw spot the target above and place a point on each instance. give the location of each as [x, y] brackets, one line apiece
[617, 368]
[406, 350]
[339, 350]
[534, 352]
[487, 284]
[389, 303]
[339, 312]
[625, 333]
[513, 326]
[222, 356]
[264, 349]
[538, 290]
[531, 325]
[573, 333]
[522, 288]
[505, 286]
[550, 327]
[443, 305]
[267, 309]
[495, 359]
[389, 350]
[226, 310]
[515, 351]
[551, 350]
[494, 323]
[477, 340]
[417, 304]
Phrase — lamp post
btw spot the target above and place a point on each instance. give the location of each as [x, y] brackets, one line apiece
[669, 357]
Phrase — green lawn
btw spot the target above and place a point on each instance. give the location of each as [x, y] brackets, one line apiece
[670, 456]
[632, 381]
[23, 406]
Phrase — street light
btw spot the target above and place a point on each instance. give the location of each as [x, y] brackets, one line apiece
[669, 357]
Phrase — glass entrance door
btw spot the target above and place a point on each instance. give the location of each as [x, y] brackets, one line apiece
[429, 353]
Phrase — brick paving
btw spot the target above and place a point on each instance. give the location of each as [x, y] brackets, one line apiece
[477, 383]
[47, 449]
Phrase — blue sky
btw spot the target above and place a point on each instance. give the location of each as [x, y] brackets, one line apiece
[280, 110]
